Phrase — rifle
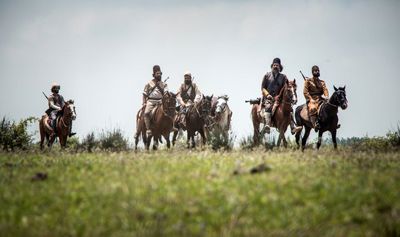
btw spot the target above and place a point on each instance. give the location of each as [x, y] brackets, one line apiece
[45, 95]
[166, 79]
[253, 102]
[303, 76]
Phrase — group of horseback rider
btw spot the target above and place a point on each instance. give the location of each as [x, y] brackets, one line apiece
[315, 92]
[187, 96]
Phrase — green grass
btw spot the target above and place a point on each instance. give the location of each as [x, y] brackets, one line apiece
[181, 193]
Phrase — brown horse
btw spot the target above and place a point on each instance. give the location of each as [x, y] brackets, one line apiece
[327, 116]
[64, 123]
[197, 120]
[281, 118]
[162, 122]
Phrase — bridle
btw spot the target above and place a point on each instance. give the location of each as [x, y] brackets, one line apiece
[290, 93]
[168, 109]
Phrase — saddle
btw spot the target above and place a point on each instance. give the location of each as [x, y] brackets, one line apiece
[304, 112]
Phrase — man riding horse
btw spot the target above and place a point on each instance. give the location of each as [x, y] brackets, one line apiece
[271, 86]
[188, 95]
[316, 93]
[56, 103]
[152, 95]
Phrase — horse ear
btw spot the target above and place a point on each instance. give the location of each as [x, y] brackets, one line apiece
[344, 88]
[294, 80]
[334, 87]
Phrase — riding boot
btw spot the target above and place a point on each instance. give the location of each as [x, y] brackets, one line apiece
[183, 121]
[267, 122]
[54, 124]
[293, 126]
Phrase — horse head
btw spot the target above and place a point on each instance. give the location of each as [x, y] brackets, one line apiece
[291, 91]
[221, 105]
[169, 103]
[205, 105]
[69, 110]
[338, 97]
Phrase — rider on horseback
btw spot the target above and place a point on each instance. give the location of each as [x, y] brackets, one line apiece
[188, 95]
[56, 103]
[316, 93]
[272, 84]
[152, 95]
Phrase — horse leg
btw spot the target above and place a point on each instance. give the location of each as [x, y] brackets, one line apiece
[42, 137]
[319, 139]
[193, 142]
[192, 138]
[148, 141]
[203, 137]
[256, 136]
[333, 132]
[136, 140]
[298, 135]
[304, 140]
[166, 137]
[188, 139]
[284, 141]
[155, 142]
[279, 139]
[174, 138]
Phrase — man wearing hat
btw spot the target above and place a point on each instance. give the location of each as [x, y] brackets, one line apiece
[56, 103]
[315, 92]
[188, 95]
[271, 85]
[152, 95]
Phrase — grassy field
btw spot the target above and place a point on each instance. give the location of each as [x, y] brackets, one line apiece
[200, 193]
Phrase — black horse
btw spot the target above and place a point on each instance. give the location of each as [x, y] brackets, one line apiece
[328, 118]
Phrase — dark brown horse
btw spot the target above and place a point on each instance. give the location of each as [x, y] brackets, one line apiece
[162, 122]
[64, 122]
[197, 120]
[281, 118]
[327, 116]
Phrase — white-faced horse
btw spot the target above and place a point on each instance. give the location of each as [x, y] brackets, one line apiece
[221, 116]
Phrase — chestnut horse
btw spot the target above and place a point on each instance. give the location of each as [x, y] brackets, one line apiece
[162, 122]
[197, 120]
[327, 116]
[281, 118]
[63, 126]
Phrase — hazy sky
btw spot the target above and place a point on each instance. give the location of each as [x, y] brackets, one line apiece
[102, 53]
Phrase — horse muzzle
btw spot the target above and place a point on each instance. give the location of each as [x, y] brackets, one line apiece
[344, 106]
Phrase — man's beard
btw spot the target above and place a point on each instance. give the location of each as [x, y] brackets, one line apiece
[275, 70]
[316, 74]
[188, 82]
[158, 78]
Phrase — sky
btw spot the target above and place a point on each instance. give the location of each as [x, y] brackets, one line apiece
[102, 53]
